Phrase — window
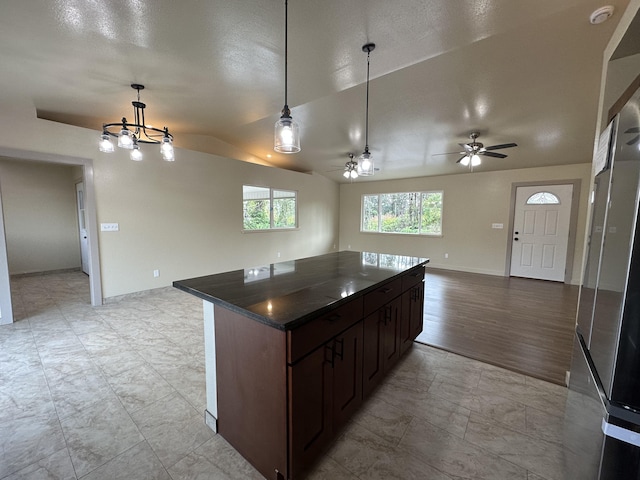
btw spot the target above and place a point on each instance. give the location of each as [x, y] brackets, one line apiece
[266, 208]
[543, 198]
[417, 213]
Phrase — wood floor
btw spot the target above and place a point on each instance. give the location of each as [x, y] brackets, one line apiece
[520, 324]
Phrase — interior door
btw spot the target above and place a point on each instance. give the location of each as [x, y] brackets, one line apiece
[541, 231]
[82, 224]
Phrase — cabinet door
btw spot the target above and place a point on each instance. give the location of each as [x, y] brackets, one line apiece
[310, 413]
[391, 336]
[381, 343]
[347, 374]
[372, 359]
[417, 310]
[411, 316]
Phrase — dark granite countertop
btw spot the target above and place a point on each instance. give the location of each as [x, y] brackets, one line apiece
[286, 294]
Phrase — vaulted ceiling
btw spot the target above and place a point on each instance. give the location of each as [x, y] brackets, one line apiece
[526, 72]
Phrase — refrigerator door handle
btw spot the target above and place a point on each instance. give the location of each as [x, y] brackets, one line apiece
[620, 433]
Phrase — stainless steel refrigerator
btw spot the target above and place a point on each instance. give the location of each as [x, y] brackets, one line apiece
[602, 420]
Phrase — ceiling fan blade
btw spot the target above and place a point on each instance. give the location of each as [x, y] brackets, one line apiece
[466, 146]
[504, 145]
[448, 153]
[633, 140]
[494, 154]
[633, 130]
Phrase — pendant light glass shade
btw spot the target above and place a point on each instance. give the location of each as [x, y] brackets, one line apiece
[166, 149]
[125, 140]
[136, 153]
[287, 136]
[365, 163]
[287, 133]
[475, 160]
[105, 144]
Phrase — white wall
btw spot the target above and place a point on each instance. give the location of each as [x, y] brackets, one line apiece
[40, 216]
[182, 218]
[472, 202]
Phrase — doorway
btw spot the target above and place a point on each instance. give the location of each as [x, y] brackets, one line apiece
[542, 226]
[93, 264]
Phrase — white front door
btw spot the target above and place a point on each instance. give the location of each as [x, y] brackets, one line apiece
[82, 224]
[541, 231]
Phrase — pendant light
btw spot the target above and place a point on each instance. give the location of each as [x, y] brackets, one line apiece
[287, 132]
[365, 160]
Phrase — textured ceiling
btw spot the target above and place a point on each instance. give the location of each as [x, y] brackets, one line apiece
[526, 72]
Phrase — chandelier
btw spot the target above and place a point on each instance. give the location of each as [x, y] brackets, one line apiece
[131, 135]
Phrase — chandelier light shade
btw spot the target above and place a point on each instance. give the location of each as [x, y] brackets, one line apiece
[131, 135]
[365, 160]
[287, 132]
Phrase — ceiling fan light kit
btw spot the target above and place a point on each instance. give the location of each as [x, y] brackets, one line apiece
[474, 149]
[287, 131]
[350, 168]
[141, 133]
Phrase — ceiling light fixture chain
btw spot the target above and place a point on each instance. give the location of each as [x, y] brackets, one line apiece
[287, 131]
[365, 160]
[130, 139]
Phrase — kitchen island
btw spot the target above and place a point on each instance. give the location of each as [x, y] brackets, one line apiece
[292, 349]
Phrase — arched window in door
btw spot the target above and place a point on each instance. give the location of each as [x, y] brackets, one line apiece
[543, 198]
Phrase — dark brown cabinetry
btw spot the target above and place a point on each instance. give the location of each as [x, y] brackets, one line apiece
[283, 395]
[325, 390]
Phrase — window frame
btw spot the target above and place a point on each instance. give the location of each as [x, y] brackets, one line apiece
[271, 228]
[420, 197]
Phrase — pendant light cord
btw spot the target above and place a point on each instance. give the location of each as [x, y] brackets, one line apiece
[366, 128]
[286, 53]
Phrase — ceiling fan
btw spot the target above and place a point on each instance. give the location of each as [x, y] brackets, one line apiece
[473, 150]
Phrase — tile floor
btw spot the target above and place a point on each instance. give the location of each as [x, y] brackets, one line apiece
[117, 392]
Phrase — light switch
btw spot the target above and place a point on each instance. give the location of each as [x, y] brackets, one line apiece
[497, 225]
[109, 227]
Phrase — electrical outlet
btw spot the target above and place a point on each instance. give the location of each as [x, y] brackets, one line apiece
[156, 273]
[278, 254]
[446, 255]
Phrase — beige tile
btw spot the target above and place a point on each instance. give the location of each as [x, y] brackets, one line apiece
[139, 463]
[54, 467]
[214, 460]
[26, 440]
[536, 455]
[383, 419]
[402, 466]
[98, 434]
[358, 448]
[172, 427]
[139, 387]
[75, 393]
[328, 469]
[456, 457]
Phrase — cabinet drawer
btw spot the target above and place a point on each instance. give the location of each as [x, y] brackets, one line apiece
[382, 295]
[309, 336]
[412, 278]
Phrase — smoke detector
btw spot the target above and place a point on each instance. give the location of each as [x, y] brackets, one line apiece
[600, 15]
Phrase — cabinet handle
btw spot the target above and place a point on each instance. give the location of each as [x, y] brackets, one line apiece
[416, 275]
[414, 294]
[386, 290]
[341, 343]
[387, 314]
[333, 318]
[331, 351]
